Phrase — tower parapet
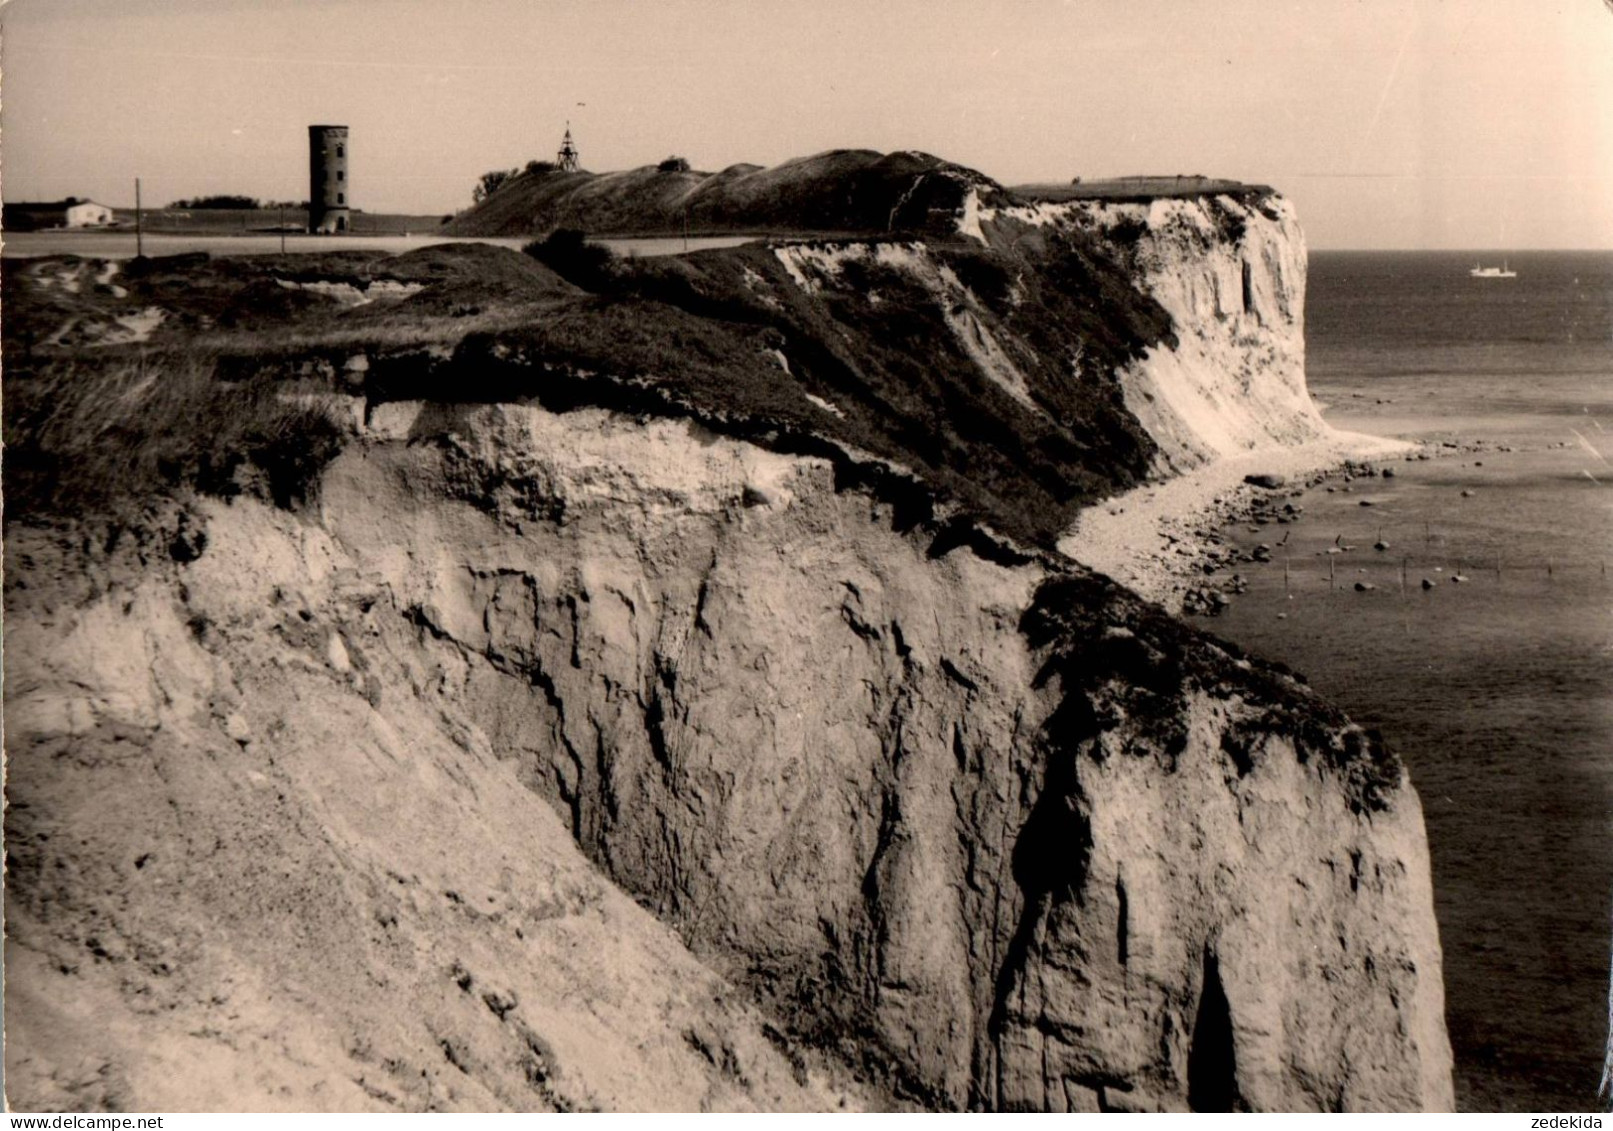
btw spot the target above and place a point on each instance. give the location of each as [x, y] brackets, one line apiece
[328, 187]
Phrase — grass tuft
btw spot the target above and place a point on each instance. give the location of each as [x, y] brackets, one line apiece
[93, 436]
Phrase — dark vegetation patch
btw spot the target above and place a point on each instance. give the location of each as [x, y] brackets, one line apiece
[104, 436]
[1230, 224]
[567, 252]
[1124, 662]
[1128, 231]
[221, 200]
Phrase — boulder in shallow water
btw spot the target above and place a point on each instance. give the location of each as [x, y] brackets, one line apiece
[1427, 584]
[1267, 479]
[1364, 586]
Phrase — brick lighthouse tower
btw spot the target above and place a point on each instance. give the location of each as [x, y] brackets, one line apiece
[328, 210]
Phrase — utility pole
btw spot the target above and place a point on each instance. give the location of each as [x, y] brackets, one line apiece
[139, 225]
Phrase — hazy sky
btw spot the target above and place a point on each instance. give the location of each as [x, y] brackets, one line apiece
[1391, 123]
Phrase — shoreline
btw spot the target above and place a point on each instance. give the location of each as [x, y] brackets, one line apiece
[1159, 539]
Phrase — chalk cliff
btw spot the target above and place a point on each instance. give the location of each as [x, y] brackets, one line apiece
[1230, 272]
[336, 805]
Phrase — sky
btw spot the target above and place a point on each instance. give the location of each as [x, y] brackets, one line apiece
[1474, 124]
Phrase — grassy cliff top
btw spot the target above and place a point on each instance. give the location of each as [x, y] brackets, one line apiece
[150, 378]
[842, 191]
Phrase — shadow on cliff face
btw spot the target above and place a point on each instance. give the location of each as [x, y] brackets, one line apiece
[1049, 865]
[1212, 1068]
[1131, 686]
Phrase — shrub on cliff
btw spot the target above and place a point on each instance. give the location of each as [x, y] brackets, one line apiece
[491, 182]
[1128, 232]
[567, 253]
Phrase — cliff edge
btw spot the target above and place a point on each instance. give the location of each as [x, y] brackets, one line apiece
[660, 689]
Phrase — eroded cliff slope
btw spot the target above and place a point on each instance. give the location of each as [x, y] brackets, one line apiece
[727, 586]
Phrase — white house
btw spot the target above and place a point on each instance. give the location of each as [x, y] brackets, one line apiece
[88, 214]
[69, 213]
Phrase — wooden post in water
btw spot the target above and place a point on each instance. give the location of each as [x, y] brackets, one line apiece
[1285, 576]
[1498, 565]
[1403, 560]
[139, 226]
[1330, 571]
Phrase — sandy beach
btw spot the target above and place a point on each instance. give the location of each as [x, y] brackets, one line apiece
[1156, 538]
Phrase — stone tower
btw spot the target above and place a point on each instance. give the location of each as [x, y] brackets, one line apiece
[568, 159]
[328, 209]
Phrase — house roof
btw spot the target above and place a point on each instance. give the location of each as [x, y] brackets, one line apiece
[49, 205]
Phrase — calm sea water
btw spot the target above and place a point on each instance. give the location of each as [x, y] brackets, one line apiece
[1497, 692]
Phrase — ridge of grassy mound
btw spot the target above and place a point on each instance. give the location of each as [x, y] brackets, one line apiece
[841, 191]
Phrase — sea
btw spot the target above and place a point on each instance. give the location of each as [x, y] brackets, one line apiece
[1494, 681]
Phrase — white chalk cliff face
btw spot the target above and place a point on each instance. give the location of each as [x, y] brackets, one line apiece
[1231, 274]
[345, 809]
[1236, 379]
